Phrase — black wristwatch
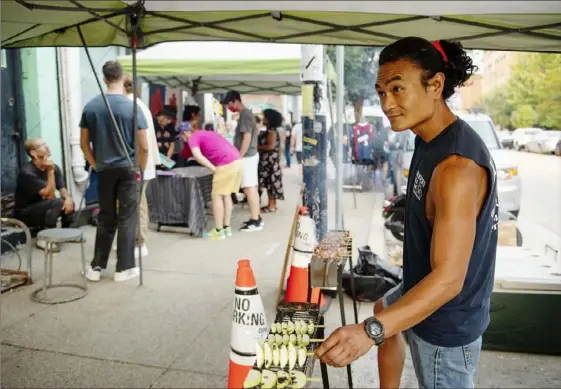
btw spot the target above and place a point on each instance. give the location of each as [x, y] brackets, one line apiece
[375, 330]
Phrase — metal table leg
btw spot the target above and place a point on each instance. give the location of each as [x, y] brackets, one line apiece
[343, 319]
[83, 263]
[50, 249]
[46, 270]
[353, 290]
[322, 365]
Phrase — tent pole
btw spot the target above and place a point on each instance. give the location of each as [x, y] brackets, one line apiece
[135, 20]
[85, 45]
[340, 107]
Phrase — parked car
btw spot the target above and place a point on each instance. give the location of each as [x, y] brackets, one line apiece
[558, 149]
[509, 184]
[533, 144]
[507, 140]
[524, 135]
[545, 142]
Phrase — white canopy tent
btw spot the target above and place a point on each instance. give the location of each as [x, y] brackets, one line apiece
[518, 25]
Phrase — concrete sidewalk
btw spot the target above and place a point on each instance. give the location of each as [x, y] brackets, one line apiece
[174, 331]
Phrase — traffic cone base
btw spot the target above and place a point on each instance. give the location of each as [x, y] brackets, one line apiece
[238, 369]
[298, 283]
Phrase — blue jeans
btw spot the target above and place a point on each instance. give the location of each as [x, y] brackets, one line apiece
[287, 154]
[437, 366]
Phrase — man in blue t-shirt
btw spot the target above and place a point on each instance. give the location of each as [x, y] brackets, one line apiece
[113, 156]
[442, 308]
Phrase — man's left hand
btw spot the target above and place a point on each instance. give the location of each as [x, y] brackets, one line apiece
[345, 345]
[68, 206]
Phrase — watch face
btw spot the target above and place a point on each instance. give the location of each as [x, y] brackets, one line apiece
[375, 329]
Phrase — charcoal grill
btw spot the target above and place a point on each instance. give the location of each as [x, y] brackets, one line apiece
[326, 272]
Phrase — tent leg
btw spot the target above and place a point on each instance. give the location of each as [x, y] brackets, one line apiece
[135, 19]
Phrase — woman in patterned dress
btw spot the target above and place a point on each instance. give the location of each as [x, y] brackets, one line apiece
[270, 172]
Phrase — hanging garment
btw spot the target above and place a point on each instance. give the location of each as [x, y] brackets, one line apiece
[363, 142]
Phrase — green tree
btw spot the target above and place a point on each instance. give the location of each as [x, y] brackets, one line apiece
[498, 108]
[524, 116]
[536, 83]
[361, 71]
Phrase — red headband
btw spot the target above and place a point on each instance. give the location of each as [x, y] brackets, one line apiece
[437, 45]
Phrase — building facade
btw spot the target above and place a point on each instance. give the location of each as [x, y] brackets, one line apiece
[497, 69]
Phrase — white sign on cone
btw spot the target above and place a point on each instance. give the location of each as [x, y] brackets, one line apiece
[305, 237]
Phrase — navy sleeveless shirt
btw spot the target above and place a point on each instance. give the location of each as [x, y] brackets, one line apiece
[463, 319]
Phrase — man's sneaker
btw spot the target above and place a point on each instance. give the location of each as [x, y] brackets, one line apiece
[252, 225]
[143, 250]
[126, 275]
[93, 274]
[228, 231]
[214, 234]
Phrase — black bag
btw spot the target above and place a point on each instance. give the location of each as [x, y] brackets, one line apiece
[373, 276]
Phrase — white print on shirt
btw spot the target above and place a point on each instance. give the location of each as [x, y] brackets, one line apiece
[495, 217]
[419, 186]
[495, 213]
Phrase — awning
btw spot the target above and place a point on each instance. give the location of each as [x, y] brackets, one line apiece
[488, 25]
[216, 67]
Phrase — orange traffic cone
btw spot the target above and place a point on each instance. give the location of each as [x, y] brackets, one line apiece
[249, 325]
[304, 244]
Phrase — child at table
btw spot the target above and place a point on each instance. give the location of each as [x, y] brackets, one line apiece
[214, 152]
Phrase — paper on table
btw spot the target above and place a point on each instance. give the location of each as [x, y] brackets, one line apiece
[167, 162]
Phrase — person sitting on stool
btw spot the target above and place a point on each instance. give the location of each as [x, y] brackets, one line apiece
[36, 203]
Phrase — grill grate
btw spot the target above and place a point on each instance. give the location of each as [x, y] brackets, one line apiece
[300, 311]
[335, 246]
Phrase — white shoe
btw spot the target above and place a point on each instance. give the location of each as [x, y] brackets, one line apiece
[93, 274]
[126, 275]
[143, 250]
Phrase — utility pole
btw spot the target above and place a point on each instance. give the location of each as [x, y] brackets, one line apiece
[314, 112]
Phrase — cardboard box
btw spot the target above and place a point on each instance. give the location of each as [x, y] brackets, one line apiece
[507, 233]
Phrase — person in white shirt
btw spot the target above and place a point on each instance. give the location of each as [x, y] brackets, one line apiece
[297, 145]
[149, 172]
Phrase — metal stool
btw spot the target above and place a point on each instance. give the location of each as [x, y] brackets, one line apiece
[51, 237]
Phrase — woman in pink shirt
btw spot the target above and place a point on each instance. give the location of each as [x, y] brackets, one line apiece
[214, 152]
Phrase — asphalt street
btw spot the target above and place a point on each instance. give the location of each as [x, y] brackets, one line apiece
[540, 211]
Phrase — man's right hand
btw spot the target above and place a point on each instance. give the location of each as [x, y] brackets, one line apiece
[48, 165]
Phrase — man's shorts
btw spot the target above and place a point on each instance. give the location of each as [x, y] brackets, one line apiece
[250, 176]
[299, 157]
[227, 179]
[437, 366]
